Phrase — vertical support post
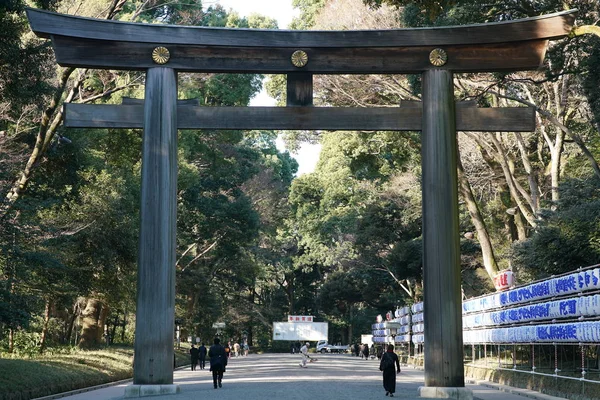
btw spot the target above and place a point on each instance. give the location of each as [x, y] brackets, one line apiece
[299, 89]
[583, 372]
[556, 370]
[441, 252]
[154, 326]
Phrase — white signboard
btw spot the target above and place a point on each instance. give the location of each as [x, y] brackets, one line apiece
[311, 331]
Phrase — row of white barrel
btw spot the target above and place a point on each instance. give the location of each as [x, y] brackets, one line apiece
[575, 282]
[586, 306]
[575, 332]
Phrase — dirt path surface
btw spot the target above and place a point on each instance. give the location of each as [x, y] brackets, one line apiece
[279, 376]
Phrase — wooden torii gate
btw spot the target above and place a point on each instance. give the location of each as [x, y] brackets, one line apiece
[435, 53]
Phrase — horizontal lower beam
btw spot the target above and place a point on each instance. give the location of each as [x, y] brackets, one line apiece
[76, 52]
[519, 119]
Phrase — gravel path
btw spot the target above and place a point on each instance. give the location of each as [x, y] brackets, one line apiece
[279, 376]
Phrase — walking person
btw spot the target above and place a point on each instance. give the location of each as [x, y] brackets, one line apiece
[194, 354]
[228, 350]
[202, 355]
[366, 351]
[390, 366]
[218, 361]
[304, 352]
[379, 351]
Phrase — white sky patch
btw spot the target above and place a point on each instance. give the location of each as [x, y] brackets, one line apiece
[282, 11]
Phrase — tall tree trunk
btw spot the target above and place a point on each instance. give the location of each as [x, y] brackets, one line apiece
[289, 291]
[45, 325]
[123, 326]
[113, 331]
[351, 326]
[11, 340]
[76, 312]
[93, 317]
[487, 250]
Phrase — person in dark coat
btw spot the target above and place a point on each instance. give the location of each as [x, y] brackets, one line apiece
[390, 366]
[194, 354]
[365, 351]
[202, 356]
[379, 351]
[218, 361]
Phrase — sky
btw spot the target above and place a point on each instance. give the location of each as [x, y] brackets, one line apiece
[283, 12]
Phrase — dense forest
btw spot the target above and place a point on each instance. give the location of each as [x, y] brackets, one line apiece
[256, 243]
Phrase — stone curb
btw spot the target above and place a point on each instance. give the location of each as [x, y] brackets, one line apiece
[517, 391]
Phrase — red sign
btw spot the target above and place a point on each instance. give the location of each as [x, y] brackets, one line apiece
[504, 280]
[300, 318]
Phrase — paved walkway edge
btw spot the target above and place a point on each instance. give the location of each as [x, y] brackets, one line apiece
[89, 389]
[509, 389]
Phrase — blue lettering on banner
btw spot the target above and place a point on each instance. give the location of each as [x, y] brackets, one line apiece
[557, 332]
[568, 307]
[504, 298]
[566, 284]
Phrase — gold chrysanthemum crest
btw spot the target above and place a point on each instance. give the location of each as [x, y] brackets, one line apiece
[299, 58]
[438, 57]
[160, 55]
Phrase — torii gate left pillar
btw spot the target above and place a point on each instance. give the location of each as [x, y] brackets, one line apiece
[152, 371]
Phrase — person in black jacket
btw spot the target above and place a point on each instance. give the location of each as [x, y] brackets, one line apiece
[218, 361]
[390, 365]
[202, 350]
[194, 353]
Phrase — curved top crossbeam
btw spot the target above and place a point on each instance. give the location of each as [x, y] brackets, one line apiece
[113, 44]
[551, 26]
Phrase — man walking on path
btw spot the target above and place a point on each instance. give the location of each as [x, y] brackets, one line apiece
[390, 366]
[218, 361]
[194, 353]
[304, 352]
[202, 354]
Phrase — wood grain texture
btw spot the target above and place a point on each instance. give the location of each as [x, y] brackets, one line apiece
[519, 119]
[155, 313]
[299, 89]
[441, 246]
[78, 52]
[551, 26]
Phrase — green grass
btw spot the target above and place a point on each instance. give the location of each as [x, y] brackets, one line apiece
[25, 379]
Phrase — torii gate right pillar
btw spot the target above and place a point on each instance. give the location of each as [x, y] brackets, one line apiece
[444, 370]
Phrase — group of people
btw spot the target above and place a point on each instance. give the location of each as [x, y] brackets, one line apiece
[237, 350]
[364, 351]
[218, 356]
[198, 356]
